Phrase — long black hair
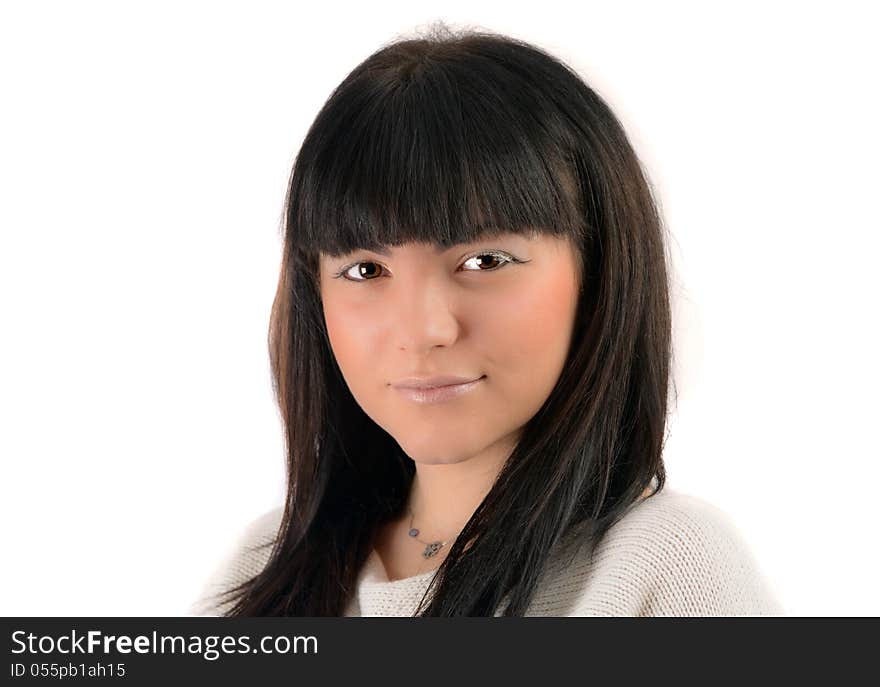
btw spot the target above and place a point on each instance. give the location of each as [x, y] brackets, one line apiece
[445, 138]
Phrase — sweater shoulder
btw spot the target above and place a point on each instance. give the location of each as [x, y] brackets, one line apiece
[679, 555]
[243, 560]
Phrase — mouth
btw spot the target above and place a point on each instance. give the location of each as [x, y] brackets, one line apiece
[438, 394]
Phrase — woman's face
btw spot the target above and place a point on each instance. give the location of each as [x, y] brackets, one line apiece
[500, 311]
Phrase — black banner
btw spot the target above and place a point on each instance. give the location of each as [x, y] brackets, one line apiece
[267, 651]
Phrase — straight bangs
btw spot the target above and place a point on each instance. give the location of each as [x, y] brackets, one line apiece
[439, 151]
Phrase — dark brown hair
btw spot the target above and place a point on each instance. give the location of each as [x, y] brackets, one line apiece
[445, 138]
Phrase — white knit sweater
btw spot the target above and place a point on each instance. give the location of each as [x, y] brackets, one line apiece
[671, 555]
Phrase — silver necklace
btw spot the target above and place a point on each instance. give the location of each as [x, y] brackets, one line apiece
[431, 547]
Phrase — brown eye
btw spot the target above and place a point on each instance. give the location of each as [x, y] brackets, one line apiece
[365, 270]
[489, 261]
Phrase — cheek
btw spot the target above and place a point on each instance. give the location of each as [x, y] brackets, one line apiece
[533, 333]
[353, 338]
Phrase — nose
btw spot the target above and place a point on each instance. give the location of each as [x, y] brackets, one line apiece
[424, 316]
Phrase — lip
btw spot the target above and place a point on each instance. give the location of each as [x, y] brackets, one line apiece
[432, 382]
[435, 389]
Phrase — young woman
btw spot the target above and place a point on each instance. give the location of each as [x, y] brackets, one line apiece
[471, 347]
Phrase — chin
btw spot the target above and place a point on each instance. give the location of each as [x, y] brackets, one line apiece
[434, 455]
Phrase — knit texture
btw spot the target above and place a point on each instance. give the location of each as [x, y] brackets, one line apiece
[672, 554]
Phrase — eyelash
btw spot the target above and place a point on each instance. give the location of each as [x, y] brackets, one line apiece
[505, 257]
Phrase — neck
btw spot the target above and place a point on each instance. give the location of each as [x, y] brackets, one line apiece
[443, 497]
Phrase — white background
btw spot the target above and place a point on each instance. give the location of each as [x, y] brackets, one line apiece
[144, 151]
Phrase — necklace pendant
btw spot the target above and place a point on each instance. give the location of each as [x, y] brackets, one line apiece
[431, 549]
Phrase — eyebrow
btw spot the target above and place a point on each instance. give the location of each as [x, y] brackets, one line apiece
[383, 250]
